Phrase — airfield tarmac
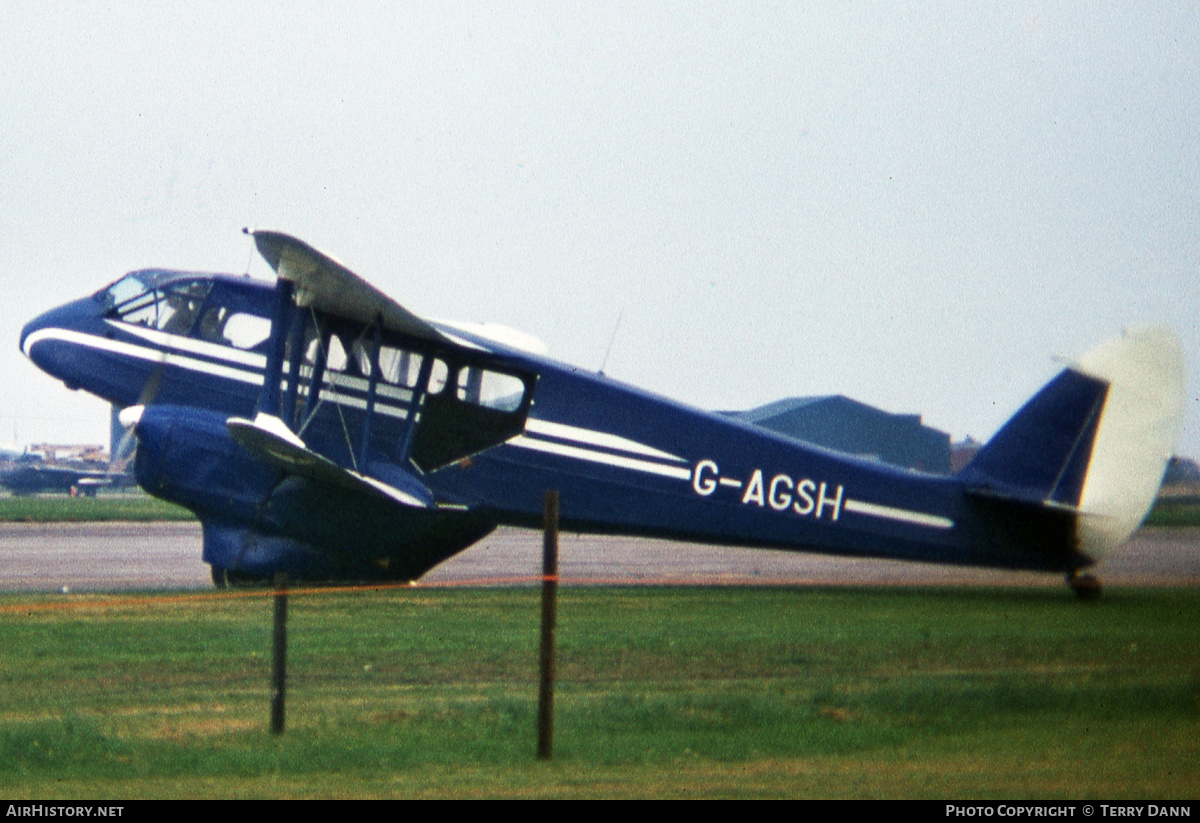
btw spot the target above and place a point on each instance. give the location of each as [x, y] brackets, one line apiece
[122, 557]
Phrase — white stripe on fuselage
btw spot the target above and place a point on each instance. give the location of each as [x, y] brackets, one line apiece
[254, 361]
[143, 353]
[581, 438]
[190, 344]
[933, 521]
[616, 460]
[860, 507]
[594, 438]
[253, 377]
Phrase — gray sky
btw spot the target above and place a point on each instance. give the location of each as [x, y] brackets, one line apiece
[918, 206]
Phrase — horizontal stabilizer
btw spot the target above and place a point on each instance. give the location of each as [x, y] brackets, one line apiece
[269, 438]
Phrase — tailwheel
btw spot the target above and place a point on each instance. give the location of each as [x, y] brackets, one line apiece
[1085, 586]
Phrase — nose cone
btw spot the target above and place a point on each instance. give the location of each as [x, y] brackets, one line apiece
[57, 340]
[53, 323]
[29, 334]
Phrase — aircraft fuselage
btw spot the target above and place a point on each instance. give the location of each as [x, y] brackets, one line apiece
[469, 433]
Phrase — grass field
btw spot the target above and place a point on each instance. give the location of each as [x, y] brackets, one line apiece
[57, 508]
[662, 692]
[1174, 513]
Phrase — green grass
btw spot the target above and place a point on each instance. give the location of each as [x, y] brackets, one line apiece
[662, 692]
[57, 508]
[1174, 513]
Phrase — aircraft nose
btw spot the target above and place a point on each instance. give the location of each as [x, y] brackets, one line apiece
[67, 316]
[56, 341]
[31, 328]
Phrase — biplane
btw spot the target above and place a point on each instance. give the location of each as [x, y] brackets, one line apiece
[318, 428]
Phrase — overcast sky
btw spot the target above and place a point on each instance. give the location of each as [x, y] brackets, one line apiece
[916, 205]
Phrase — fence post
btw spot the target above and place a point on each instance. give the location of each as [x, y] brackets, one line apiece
[549, 608]
[279, 656]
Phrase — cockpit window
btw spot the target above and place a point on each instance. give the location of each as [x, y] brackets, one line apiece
[172, 308]
[124, 290]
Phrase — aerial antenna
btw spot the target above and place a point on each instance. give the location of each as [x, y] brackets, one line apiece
[611, 340]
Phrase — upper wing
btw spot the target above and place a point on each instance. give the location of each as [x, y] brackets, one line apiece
[323, 283]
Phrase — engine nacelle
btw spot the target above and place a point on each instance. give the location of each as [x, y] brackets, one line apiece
[258, 520]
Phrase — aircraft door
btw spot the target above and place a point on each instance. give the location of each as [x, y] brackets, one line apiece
[467, 409]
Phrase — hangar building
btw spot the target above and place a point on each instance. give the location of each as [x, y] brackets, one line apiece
[838, 422]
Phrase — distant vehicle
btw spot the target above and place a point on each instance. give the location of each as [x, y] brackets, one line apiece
[318, 428]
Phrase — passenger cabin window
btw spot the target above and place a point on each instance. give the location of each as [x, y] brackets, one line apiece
[490, 389]
[469, 409]
[361, 353]
[437, 376]
[239, 329]
[336, 360]
[400, 367]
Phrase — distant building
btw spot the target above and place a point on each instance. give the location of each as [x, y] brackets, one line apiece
[963, 452]
[846, 425]
[63, 452]
[1181, 470]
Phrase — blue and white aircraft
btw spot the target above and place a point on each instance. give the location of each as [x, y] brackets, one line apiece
[318, 428]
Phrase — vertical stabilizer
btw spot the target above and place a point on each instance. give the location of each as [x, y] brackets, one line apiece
[1041, 454]
[1137, 433]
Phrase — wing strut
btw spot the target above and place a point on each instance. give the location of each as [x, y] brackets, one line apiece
[372, 391]
[316, 379]
[296, 347]
[269, 400]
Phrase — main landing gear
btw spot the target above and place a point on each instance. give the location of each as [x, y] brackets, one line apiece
[1085, 586]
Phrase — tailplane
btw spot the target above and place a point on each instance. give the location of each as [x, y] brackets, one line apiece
[1095, 440]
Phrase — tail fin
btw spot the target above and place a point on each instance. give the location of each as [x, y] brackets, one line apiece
[1096, 439]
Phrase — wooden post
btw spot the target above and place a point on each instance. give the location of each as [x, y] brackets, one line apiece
[549, 607]
[279, 656]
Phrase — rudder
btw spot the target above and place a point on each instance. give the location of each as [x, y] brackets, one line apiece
[1138, 433]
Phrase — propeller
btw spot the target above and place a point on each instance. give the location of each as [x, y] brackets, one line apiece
[125, 451]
